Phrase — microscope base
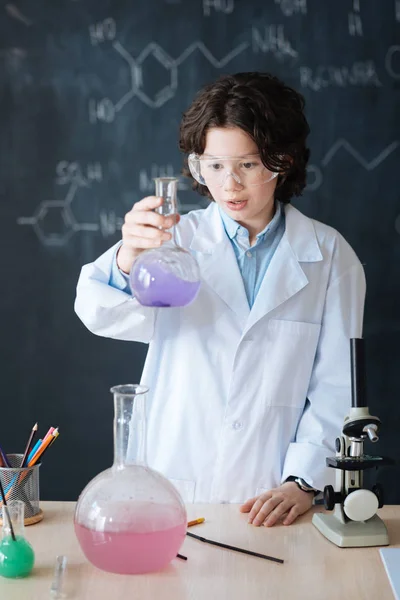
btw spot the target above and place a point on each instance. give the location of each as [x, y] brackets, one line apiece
[352, 533]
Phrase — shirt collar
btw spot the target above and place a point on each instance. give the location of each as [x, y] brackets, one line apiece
[231, 226]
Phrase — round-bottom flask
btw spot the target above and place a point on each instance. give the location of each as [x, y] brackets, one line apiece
[16, 554]
[130, 519]
[166, 276]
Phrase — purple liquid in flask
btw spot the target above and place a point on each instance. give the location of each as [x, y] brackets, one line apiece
[166, 276]
[156, 285]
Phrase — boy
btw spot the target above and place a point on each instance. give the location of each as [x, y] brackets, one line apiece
[250, 383]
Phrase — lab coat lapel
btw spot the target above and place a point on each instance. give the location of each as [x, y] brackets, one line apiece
[285, 276]
[217, 261]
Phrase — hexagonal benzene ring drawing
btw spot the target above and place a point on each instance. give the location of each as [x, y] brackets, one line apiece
[133, 70]
[161, 61]
[53, 222]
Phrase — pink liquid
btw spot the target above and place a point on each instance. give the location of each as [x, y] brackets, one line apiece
[129, 552]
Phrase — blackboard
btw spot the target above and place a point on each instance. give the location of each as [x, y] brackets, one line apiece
[91, 95]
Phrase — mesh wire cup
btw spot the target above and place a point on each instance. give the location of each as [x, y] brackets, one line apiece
[21, 484]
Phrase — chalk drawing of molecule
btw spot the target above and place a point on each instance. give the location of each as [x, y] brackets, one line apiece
[55, 221]
[270, 39]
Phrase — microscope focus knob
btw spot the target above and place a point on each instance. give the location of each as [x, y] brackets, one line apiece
[360, 505]
[331, 497]
[371, 430]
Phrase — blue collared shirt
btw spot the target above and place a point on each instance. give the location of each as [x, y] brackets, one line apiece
[119, 279]
[253, 261]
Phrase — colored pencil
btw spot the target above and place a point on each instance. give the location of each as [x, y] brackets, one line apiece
[5, 510]
[39, 453]
[42, 448]
[34, 449]
[4, 458]
[28, 445]
[50, 431]
[196, 522]
[32, 461]
[202, 539]
[54, 435]
[50, 440]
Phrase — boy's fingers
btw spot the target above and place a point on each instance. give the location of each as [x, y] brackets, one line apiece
[263, 504]
[148, 217]
[291, 516]
[148, 203]
[148, 232]
[274, 516]
[246, 506]
[144, 243]
[260, 513]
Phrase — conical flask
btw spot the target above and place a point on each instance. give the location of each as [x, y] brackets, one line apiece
[166, 276]
[16, 554]
[130, 519]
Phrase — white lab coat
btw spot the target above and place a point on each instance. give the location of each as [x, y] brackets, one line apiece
[227, 410]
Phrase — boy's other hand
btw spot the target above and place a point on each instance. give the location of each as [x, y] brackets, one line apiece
[285, 502]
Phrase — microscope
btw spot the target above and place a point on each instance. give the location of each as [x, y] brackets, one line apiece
[354, 521]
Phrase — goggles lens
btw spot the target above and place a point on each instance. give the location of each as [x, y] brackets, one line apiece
[246, 170]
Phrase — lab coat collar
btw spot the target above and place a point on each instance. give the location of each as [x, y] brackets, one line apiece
[284, 277]
[300, 234]
[217, 262]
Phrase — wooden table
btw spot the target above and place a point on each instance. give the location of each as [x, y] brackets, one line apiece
[314, 569]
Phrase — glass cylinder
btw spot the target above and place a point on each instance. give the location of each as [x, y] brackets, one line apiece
[130, 519]
[16, 554]
[169, 275]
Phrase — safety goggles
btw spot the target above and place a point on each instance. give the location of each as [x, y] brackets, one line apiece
[214, 170]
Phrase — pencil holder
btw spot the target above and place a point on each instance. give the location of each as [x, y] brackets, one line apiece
[22, 484]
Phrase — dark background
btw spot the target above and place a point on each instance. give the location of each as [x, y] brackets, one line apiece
[91, 95]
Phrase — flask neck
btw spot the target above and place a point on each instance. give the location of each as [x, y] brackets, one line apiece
[129, 425]
[170, 212]
[166, 188]
[13, 519]
[168, 207]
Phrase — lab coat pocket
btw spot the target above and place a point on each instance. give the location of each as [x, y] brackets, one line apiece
[185, 487]
[290, 357]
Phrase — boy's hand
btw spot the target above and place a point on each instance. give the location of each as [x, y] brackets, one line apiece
[143, 229]
[287, 499]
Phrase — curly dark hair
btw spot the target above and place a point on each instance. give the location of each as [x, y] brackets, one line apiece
[264, 107]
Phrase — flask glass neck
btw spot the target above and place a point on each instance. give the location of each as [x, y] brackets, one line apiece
[129, 425]
[13, 519]
[166, 188]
